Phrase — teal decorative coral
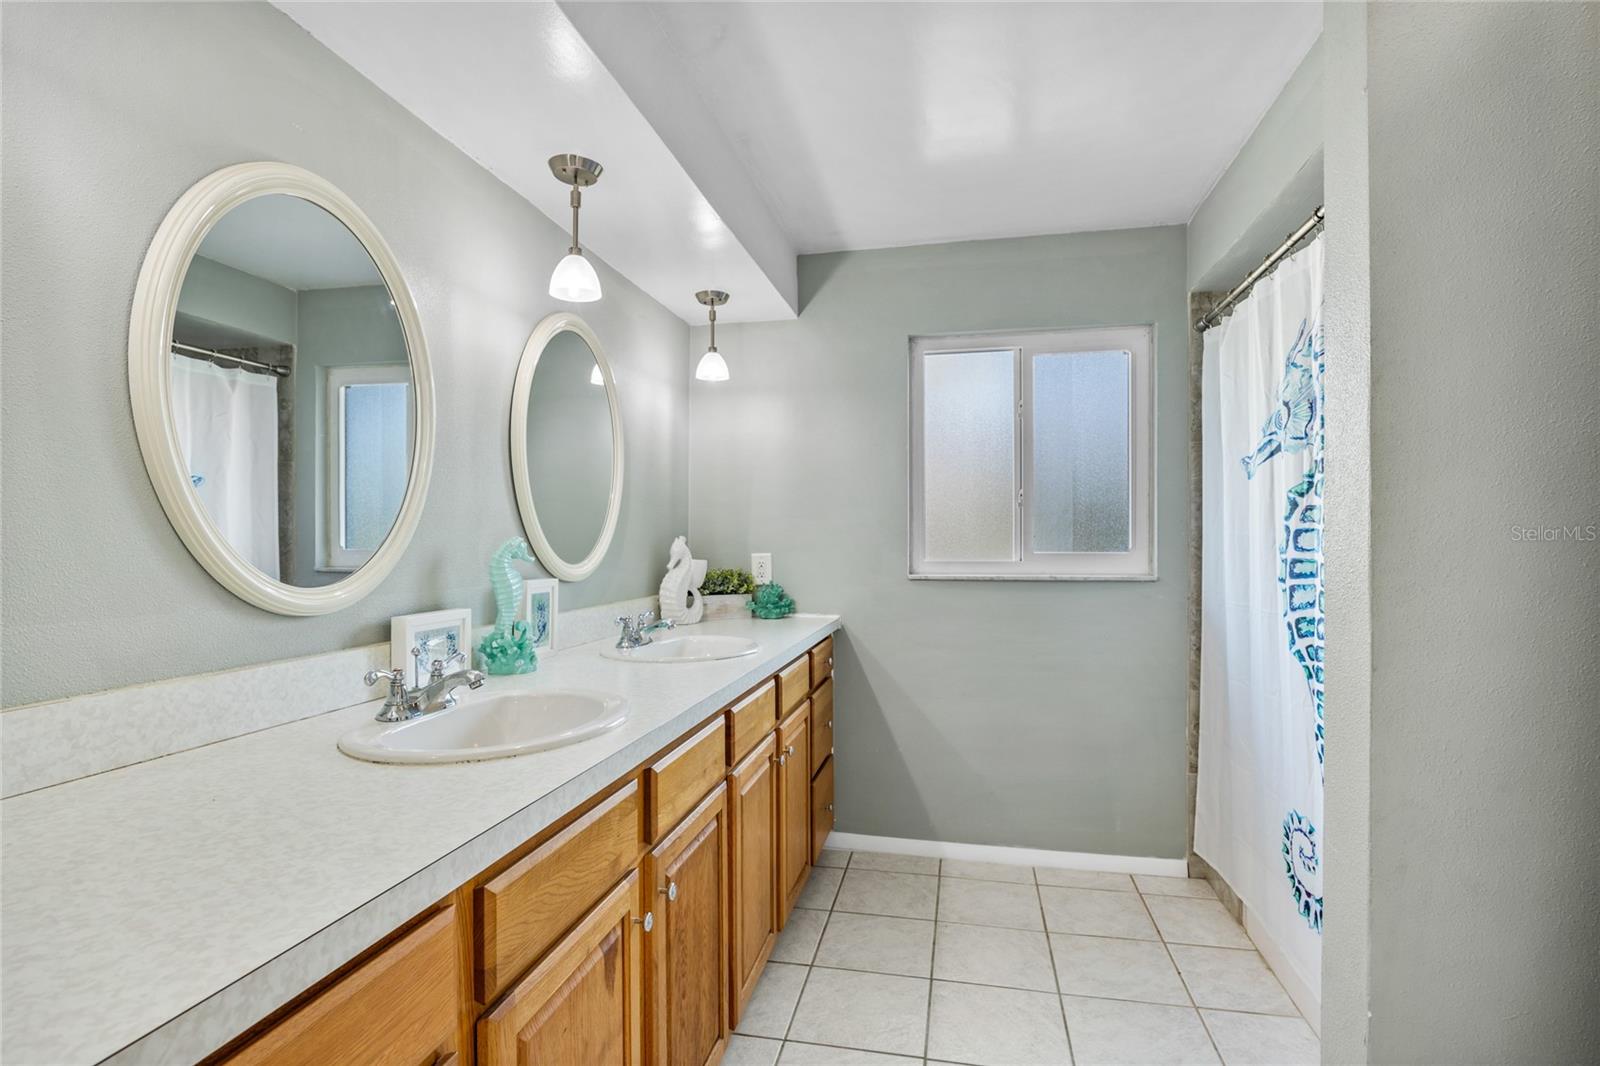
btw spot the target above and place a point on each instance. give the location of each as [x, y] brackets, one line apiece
[770, 601]
[508, 648]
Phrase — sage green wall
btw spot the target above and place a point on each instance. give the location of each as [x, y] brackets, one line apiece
[1483, 177]
[1269, 188]
[217, 293]
[98, 590]
[1039, 714]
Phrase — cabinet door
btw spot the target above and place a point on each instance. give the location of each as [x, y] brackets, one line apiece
[821, 724]
[687, 952]
[583, 1002]
[821, 809]
[794, 805]
[753, 799]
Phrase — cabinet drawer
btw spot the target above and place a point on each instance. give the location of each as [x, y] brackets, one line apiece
[524, 909]
[751, 719]
[821, 661]
[821, 724]
[681, 779]
[821, 808]
[794, 684]
[398, 1006]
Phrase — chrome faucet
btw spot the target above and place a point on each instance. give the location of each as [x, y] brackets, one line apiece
[636, 631]
[404, 704]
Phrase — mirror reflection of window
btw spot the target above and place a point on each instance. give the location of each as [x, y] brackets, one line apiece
[292, 390]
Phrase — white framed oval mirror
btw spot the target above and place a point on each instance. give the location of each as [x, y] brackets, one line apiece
[566, 446]
[281, 388]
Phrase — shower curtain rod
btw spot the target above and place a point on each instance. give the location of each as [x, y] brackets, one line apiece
[248, 364]
[1306, 228]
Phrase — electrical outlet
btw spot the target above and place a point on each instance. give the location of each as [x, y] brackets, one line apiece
[761, 567]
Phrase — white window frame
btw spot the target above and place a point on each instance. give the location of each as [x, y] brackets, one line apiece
[334, 557]
[1138, 563]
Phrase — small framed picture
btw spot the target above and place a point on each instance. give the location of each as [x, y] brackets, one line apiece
[435, 635]
[540, 597]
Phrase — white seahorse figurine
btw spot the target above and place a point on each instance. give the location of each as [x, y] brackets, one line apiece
[679, 597]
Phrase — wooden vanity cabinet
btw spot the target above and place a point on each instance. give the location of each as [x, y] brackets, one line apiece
[584, 1001]
[753, 819]
[794, 807]
[633, 930]
[686, 953]
[398, 1006]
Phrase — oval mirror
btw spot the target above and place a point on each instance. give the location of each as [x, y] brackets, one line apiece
[566, 446]
[281, 388]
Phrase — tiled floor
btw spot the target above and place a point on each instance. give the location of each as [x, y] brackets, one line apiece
[892, 959]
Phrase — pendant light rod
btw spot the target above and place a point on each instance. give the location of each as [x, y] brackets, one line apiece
[577, 202]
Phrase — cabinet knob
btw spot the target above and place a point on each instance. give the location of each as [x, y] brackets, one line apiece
[829, 723]
[783, 760]
[648, 921]
[829, 808]
[789, 750]
[671, 891]
[830, 660]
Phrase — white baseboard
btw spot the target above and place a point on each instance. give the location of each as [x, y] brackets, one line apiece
[1309, 1002]
[1064, 860]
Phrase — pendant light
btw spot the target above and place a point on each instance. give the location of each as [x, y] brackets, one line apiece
[574, 279]
[712, 366]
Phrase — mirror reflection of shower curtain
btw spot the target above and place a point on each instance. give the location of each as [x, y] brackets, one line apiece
[1258, 811]
[227, 424]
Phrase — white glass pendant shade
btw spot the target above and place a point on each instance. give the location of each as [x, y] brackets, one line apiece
[712, 367]
[575, 281]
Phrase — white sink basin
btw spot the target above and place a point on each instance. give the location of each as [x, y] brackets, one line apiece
[489, 727]
[685, 648]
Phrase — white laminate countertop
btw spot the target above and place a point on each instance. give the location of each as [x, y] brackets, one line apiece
[153, 913]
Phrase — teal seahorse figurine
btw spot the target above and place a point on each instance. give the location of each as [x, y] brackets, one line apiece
[508, 648]
[770, 601]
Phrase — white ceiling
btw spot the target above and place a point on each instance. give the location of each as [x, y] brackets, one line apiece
[736, 135]
[512, 84]
[290, 242]
[866, 125]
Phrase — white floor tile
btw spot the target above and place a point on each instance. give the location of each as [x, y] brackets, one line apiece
[894, 864]
[1012, 958]
[751, 1051]
[896, 895]
[989, 903]
[1259, 1040]
[820, 888]
[1196, 921]
[996, 1026]
[1193, 887]
[798, 941]
[870, 1011]
[1096, 913]
[1046, 875]
[833, 857]
[987, 871]
[1117, 969]
[772, 1003]
[797, 1054]
[1229, 979]
[1139, 1034]
[873, 942]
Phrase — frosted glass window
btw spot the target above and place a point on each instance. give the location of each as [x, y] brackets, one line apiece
[969, 442]
[1032, 455]
[1080, 452]
[376, 460]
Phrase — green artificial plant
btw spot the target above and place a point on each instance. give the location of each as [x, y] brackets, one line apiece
[727, 583]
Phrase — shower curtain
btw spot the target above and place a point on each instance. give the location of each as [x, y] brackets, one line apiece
[227, 423]
[1258, 814]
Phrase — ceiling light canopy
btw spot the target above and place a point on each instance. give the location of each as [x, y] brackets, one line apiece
[712, 366]
[574, 279]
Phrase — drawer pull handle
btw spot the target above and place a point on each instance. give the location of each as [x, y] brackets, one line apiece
[648, 921]
[671, 891]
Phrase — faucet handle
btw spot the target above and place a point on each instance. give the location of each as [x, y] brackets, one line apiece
[436, 670]
[394, 677]
[645, 618]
